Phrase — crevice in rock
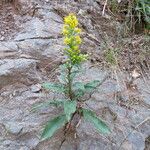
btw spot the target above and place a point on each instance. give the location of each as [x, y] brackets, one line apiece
[34, 38]
[147, 143]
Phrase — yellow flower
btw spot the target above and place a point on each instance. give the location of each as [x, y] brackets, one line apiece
[76, 47]
[71, 20]
[72, 40]
[84, 57]
[78, 39]
[67, 41]
[65, 30]
[77, 30]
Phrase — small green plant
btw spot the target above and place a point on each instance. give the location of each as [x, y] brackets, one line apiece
[134, 14]
[142, 10]
[110, 51]
[111, 56]
[114, 6]
[73, 91]
[138, 15]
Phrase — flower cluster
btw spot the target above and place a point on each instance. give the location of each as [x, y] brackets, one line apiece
[72, 40]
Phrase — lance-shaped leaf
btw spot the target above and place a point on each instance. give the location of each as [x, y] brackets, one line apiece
[73, 74]
[52, 126]
[69, 108]
[63, 74]
[78, 86]
[55, 87]
[89, 87]
[76, 69]
[79, 89]
[47, 104]
[98, 123]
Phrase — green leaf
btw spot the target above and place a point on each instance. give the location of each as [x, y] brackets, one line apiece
[78, 94]
[63, 78]
[57, 103]
[78, 86]
[55, 87]
[79, 89]
[47, 104]
[63, 74]
[89, 87]
[73, 74]
[98, 123]
[63, 67]
[76, 69]
[52, 126]
[39, 106]
[69, 108]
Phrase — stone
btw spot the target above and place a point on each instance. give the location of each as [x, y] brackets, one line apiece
[137, 141]
[8, 47]
[2, 38]
[36, 88]
[10, 65]
[32, 142]
[24, 148]
[13, 127]
[7, 143]
[16, 68]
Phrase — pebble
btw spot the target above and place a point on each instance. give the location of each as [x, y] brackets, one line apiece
[13, 128]
[36, 88]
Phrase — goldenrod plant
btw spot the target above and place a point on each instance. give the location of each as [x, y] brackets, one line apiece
[73, 91]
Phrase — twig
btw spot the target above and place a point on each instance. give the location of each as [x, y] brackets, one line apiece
[103, 12]
[79, 122]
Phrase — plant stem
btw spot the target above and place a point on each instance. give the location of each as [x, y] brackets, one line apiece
[70, 94]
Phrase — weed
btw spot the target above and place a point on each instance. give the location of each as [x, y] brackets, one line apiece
[73, 91]
[135, 14]
[111, 56]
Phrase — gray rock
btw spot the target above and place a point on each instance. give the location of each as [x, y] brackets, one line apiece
[137, 140]
[2, 38]
[32, 142]
[24, 148]
[7, 143]
[10, 65]
[13, 127]
[15, 70]
[8, 47]
[36, 88]
[37, 28]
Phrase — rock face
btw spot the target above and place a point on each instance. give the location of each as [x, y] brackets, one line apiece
[32, 55]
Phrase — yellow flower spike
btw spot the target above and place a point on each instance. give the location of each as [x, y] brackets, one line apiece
[67, 41]
[77, 30]
[72, 40]
[78, 39]
[76, 47]
[71, 20]
[65, 30]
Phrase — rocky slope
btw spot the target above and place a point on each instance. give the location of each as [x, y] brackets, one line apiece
[30, 53]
